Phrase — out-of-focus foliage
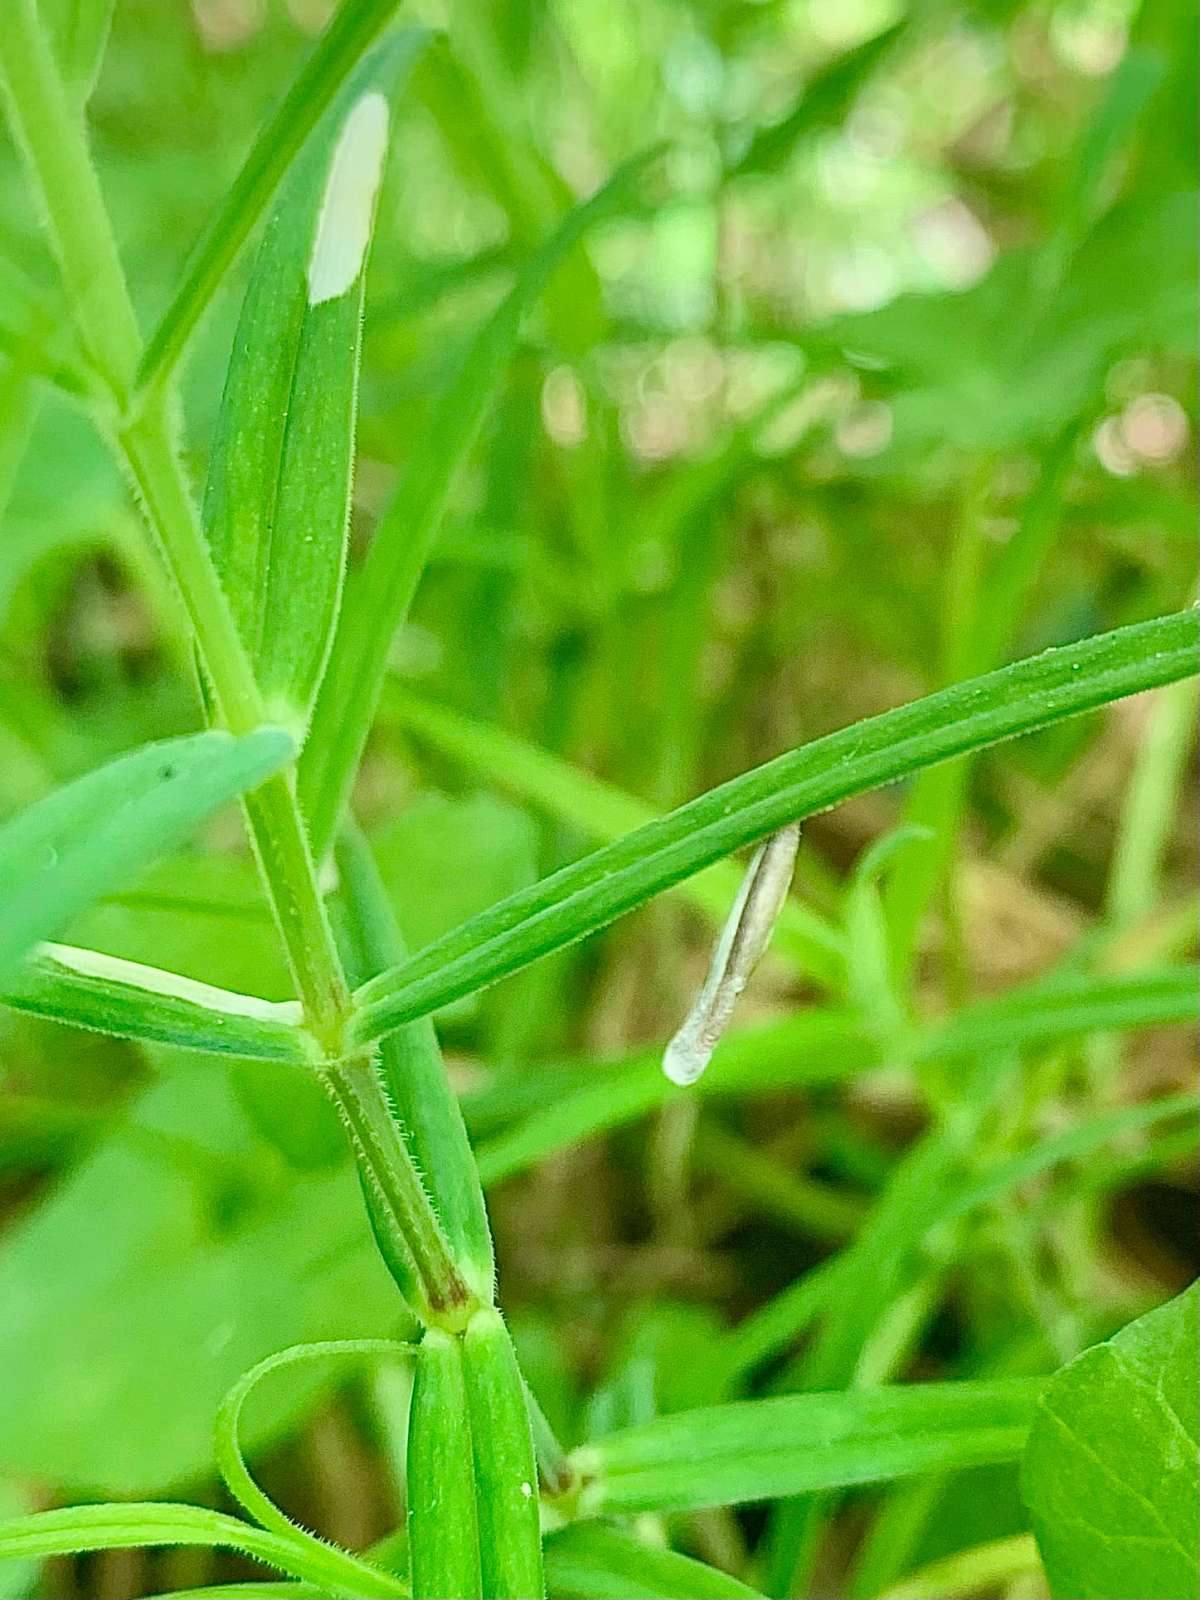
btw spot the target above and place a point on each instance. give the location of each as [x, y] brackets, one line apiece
[882, 374]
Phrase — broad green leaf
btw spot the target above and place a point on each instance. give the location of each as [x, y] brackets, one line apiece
[589, 1561]
[78, 32]
[763, 1449]
[155, 1522]
[380, 592]
[174, 1257]
[92, 990]
[91, 835]
[1110, 1471]
[354, 29]
[277, 503]
[605, 812]
[594, 891]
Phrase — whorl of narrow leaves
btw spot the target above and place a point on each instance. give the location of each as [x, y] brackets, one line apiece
[277, 502]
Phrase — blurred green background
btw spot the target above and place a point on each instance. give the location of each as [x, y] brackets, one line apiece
[907, 283]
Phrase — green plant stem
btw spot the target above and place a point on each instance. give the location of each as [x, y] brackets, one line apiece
[279, 837]
[381, 1154]
[149, 453]
[51, 134]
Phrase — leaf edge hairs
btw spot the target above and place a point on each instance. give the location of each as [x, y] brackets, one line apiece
[744, 938]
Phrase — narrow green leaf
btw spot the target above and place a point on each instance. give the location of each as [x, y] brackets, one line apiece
[882, 1263]
[762, 1449]
[277, 502]
[78, 32]
[1149, 804]
[1000, 1565]
[1110, 1471]
[443, 1537]
[92, 990]
[356, 1573]
[147, 1523]
[824, 101]
[284, 1590]
[606, 812]
[592, 892]
[410, 1062]
[815, 1047]
[873, 983]
[91, 835]
[354, 29]
[1071, 1145]
[831, 1046]
[588, 1561]
[506, 1496]
[380, 592]
[1066, 1006]
[779, 1323]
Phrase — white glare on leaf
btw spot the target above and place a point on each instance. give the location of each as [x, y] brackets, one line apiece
[348, 205]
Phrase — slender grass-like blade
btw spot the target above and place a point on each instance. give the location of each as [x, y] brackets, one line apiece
[592, 892]
[354, 29]
[606, 812]
[824, 1046]
[145, 1524]
[380, 592]
[592, 1561]
[91, 990]
[91, 835]
[763, 1449]
[78, 31]
[277, 503]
